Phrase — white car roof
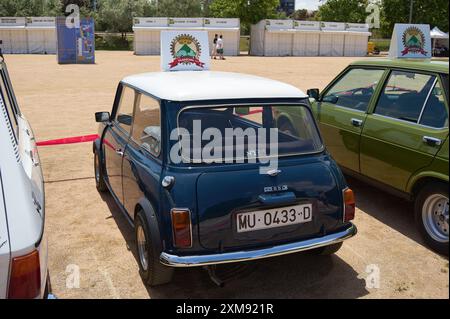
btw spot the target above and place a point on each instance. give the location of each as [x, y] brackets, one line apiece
[210, 85]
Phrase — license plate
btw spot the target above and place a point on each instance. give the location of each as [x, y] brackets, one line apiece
[272, 218]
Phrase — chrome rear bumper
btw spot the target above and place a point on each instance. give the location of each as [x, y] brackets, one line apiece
[248, 255]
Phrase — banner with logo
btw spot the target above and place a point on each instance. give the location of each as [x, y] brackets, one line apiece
[221, 23]
[307, 25]
[411, 41]
[186, 22]
[279, 24]
[151, 22]
[184, 51]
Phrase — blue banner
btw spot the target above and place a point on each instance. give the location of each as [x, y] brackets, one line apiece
[75, 45]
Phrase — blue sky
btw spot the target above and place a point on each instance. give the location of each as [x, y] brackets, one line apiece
[307, 4]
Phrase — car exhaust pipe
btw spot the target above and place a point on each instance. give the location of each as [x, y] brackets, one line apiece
[213, 275]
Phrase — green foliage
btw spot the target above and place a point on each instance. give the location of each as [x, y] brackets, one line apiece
[30, 8]
[434, 13]
[249, 11]
[117, 16]
[303, 15]
[343, 11]
[180, 8]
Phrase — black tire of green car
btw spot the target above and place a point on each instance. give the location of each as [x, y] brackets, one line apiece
[98, 174]
[154, 273]
[427, 192]
[327, 250]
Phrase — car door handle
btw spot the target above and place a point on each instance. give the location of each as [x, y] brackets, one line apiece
[432, 141]
[356, 122]
[119, 152]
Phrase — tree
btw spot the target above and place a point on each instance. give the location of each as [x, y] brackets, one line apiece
[301, 14]
[30, 8]
[117, 15]
[343, 11]
[248, 11]
[434, 13]
[180, 8]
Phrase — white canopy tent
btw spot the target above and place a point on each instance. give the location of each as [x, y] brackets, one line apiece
[272, 38]
[13, 35]
[439, 39]
[306, 38]
[332, 39]
[356, 39]
[147, 32]
[41, 34]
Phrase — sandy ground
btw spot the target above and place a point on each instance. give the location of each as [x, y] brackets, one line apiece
[87, 232]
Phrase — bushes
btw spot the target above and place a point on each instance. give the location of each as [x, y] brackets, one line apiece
[113, 41]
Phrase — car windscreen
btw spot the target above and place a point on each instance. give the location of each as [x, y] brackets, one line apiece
[229, 134]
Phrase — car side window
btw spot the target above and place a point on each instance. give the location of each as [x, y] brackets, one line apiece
[355, 89]
[435, 113]
[124, 116]
[147, 124]
[8, 105]
[404, 95]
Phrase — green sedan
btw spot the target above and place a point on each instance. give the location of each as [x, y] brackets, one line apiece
[386, 122]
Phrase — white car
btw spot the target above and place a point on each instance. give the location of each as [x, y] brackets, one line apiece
[23, 245]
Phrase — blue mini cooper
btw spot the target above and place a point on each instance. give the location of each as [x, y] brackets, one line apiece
[208, 169]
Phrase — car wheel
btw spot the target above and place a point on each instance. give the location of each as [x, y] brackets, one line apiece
[98, 173]
[327, 250]
[152, 271]
[431, 212]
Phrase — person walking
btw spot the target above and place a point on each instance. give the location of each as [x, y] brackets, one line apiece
[219, 47]
[214, 50]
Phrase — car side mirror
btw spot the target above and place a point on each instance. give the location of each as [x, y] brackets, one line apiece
[243, 110]
[102, 117]
[314, 94]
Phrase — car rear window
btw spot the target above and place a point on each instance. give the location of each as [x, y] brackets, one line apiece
[242, 133]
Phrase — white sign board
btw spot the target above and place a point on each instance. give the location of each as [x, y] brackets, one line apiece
[151, 22]
[279, 24]
[41, 22]
[333, 26]
[12, 21]
[221, 23]
[307, 25]
[411, 41]
[358, 27]
[185, 22]
[184, 51]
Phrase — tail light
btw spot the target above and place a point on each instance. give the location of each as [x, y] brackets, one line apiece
[181, 226]
[25, 280]
[349, 205]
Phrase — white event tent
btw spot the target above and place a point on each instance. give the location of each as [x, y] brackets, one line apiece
[308, 38]
[272, 38]
[41, 33]
[356, 39]
[332, 39]
[13, 35]
[147, 32]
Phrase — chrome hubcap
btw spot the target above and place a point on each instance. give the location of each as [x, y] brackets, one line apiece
[142, 247]
[435, 217]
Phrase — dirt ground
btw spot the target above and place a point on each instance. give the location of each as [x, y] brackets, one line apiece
[87, 232]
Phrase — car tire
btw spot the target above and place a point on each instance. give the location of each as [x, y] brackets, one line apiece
[98, 174]
[431, 214]
[153, 273]
[327, 250]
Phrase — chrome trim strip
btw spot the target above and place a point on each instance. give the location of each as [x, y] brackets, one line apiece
[248, 255]
[408, 122]
[426, 100]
